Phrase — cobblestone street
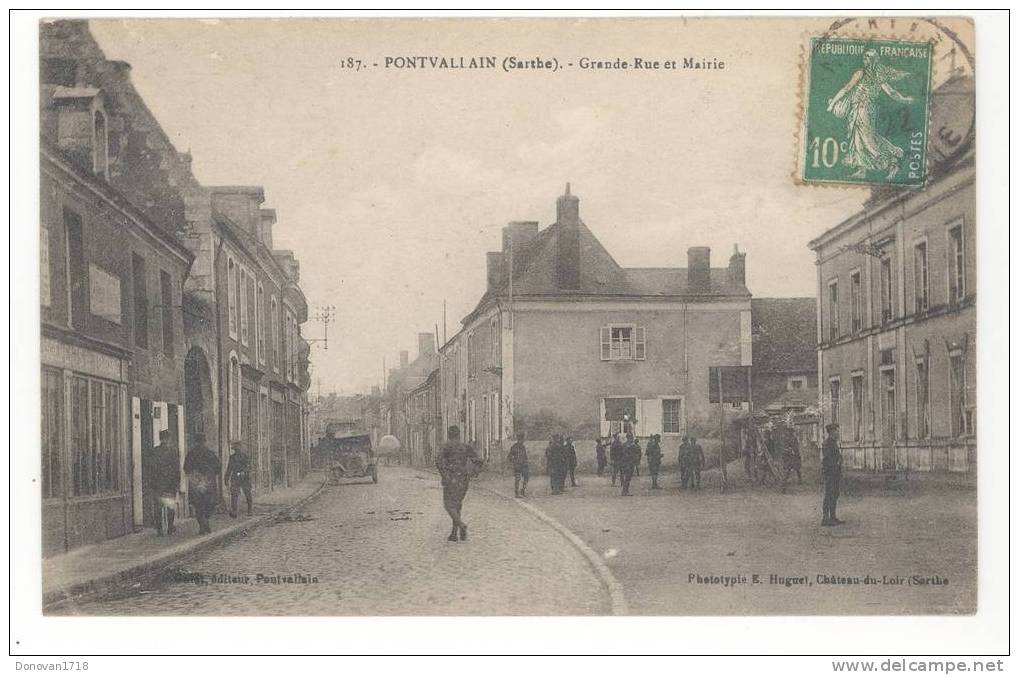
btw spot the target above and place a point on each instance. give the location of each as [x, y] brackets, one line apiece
[378, 550]
[654, 540]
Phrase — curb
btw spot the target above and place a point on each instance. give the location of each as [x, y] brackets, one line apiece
[615, 589]
[77, 591]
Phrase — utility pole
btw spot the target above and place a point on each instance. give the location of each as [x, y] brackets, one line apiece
[324, 314]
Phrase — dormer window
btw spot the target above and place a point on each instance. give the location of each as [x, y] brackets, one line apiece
[100, 145]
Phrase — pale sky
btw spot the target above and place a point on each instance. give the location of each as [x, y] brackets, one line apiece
[390, 185]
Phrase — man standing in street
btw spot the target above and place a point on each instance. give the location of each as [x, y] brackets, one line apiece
[570, 455]
[521, 472]
[165, 470]
[616, 457]
[696, 462]
[202, 469]
[630, 450]
[238, 477]
[791, 460]
[684, 463]
[831, 471]
[457, 464]
[654, 459]
[599, 455]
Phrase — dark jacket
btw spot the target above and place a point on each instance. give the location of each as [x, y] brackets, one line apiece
[570, 454]
[202, 468]
[616, 451]
[457, 462]
[165, 468]
[831, 459]
[518, 455]
[696, 456]
[238, 469]
[653, 453]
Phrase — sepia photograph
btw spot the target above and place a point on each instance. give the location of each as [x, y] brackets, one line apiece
[508, 317]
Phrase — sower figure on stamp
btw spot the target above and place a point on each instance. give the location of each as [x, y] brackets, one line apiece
[654, 459]
[831, 471]
[457, 464]
[518, 461]
[238, 477]
[165, 470]
[202, 468]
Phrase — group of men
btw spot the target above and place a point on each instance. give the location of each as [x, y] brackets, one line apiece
[202, 468]
[561, 461]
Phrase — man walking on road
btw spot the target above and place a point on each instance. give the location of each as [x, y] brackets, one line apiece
[202, 468]
[654, 459]
[600, 456]
[457, 464]
[165, 471]
[791, 460]
[521, 472]
[238, 477]
[831, 470]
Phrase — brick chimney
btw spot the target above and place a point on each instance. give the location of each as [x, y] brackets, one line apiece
[698, 267]
[426, 344]
[568, 241]
[738, 266]
[404, 358]
[265, 227]
[520, 233]
[496, 270]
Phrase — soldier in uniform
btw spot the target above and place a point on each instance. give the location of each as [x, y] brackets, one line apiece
[696, 462]
[570, 454]
[457, 464]
[550, 461]
[202, 468]
[238, 477]
[831, 471]
[654, 459]
[521, 471]
[630, 453]
[616, 457]
[165, 470]
[600, 455]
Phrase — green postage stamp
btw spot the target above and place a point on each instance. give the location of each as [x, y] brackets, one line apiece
[867, 105]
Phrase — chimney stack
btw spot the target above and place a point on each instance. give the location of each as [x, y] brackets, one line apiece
[738, 266]
[698, 270]
[496, 270]
[426, 344]
[265, 227]
[404, 358]
[568, 241]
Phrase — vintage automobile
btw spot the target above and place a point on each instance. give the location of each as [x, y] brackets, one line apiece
[351, 456]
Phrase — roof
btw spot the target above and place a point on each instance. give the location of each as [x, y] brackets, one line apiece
[784, 334]
[534, 275]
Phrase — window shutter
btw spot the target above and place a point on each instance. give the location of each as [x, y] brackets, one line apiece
[640, 348]
[605, 340]
[606, 426]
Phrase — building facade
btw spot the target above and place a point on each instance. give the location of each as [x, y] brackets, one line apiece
[896, 322]
[143, 322]
[567, 340]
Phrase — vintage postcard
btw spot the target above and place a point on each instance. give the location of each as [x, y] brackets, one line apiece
[508, 316]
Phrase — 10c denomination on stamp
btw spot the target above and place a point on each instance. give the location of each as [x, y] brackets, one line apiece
[866, 112]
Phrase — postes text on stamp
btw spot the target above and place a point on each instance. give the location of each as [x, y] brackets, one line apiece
[866, 112]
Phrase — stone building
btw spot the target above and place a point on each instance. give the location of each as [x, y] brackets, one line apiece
[406, 387]
[896, 314]
[566, 339]
[137, 300]
[112, 272]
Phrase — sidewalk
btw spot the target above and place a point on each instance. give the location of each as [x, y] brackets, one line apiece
[90, 568]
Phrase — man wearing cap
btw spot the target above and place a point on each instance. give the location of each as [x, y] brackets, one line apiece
[457, 463]
[654, 458]
[521, 471]
[831, 470]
